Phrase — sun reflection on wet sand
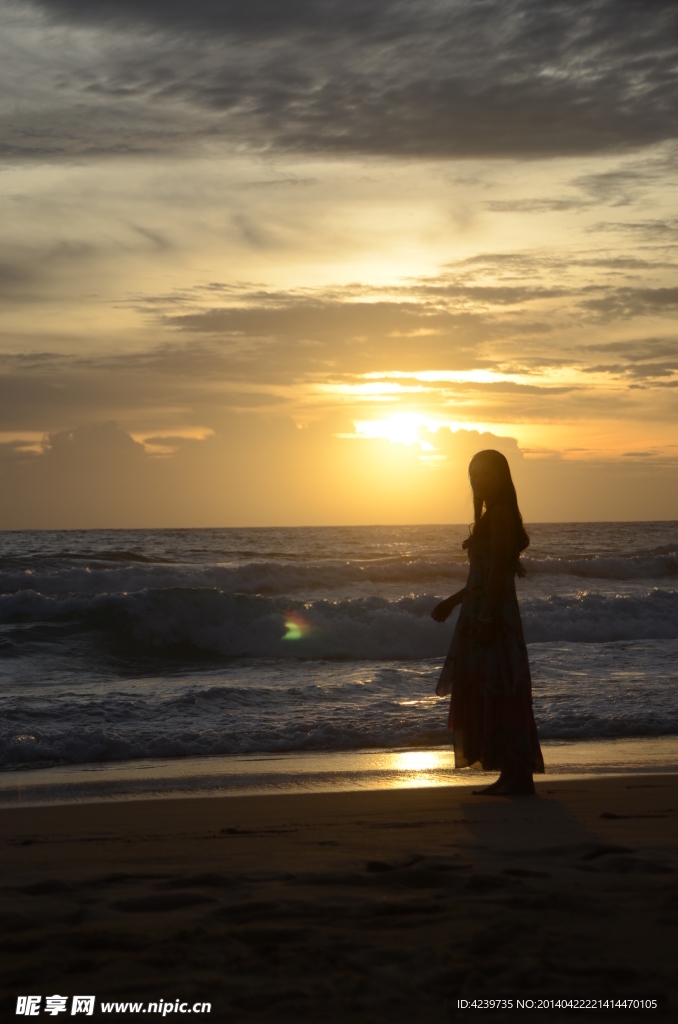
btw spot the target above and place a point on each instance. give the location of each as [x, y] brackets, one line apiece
[411, 768]
[314, 772]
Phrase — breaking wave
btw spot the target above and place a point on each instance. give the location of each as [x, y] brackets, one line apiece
[246, 626]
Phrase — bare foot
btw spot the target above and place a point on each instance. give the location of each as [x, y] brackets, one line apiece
[504, 779]
[520, 785]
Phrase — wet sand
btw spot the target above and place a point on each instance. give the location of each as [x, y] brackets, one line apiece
[349, 906]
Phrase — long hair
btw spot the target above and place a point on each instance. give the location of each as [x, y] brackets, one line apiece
[505, 494]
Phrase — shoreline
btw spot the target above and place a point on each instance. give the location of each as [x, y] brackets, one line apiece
[313, 772]
[361, 906]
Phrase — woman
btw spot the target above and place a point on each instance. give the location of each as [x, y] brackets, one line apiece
[486, 670]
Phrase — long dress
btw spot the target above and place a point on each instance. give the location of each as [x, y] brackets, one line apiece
[491, 717]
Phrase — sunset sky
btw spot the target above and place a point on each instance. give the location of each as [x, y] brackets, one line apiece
[294, 261]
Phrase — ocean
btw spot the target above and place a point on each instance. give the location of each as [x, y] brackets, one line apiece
[234, 654]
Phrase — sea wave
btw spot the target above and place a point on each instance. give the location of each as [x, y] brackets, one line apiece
[124, 572]
[227, 725]
[589, 617]
[209, 621]
[270, 578]
[42, 748]
[234, 625]
[655, 565]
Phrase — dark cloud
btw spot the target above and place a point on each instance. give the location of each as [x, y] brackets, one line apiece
[256, 19]
[445, 322]
[254, 472]
[307, 320]
[97, 476]
[535, 205]
[617, 188]
[182, 384]
[612, 188]
[653, 231]
[32, 274]
[646, 360]
[13, 278]
[529, 265]
[627, 302]
[435, 325]
[226, 347]
[483, 78]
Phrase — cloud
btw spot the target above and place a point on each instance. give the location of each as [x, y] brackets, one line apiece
[253, 471]
[535, 205]
[259, 473]
[630, 302]
[620, 187]
[430, 324]
[617, 187]
[654, 231]
[501, 78]
[516, 336]
[644, 360]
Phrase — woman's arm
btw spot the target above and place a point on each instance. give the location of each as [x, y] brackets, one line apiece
[502, 531]
[443, 610]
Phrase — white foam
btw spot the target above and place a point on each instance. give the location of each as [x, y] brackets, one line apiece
[237, 625]
[163, 645]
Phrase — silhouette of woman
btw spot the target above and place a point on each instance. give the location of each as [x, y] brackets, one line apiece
[487, 670]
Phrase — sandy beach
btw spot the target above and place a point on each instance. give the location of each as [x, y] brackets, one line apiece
[363, 906]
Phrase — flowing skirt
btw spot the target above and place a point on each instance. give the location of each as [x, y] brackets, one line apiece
[491, 717]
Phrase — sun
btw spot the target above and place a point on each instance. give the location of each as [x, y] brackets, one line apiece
[400, 428]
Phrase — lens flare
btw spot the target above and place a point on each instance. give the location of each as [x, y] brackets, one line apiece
[297, 626]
